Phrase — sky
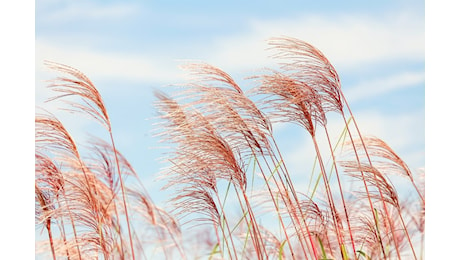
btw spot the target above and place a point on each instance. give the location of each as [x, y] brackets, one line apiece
[130, 48]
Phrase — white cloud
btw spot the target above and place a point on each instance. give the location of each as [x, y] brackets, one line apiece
[349, 41]
[111, 65]
[88, 10]
[379, 86]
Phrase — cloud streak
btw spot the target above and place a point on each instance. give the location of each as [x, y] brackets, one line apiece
[87, 10]
[384, 85]
[107, 65]
[349, 41]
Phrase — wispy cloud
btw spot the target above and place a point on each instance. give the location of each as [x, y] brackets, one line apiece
[402, 131]
[108, 65]
[350, 41]
[87, 10]
[379, 86]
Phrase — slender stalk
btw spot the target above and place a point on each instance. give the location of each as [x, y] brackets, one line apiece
[256, 232]
[73, 227]
[329, 193]
[407, 233]
[365, 185]
[291, 186]
[370, 163]
[123, 194]
[50, 237]
[418, 191]
[249, 224]
[275, 203]
[341, 193]
[292, 208]
[64, 236]
[273, 198]
[225, 222]
[216, 231]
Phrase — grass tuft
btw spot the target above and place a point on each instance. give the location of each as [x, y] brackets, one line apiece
[228, 178]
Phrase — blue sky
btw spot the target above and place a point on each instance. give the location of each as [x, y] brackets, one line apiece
[129, 48]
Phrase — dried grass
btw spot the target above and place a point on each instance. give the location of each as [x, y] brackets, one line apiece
[222, 148]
